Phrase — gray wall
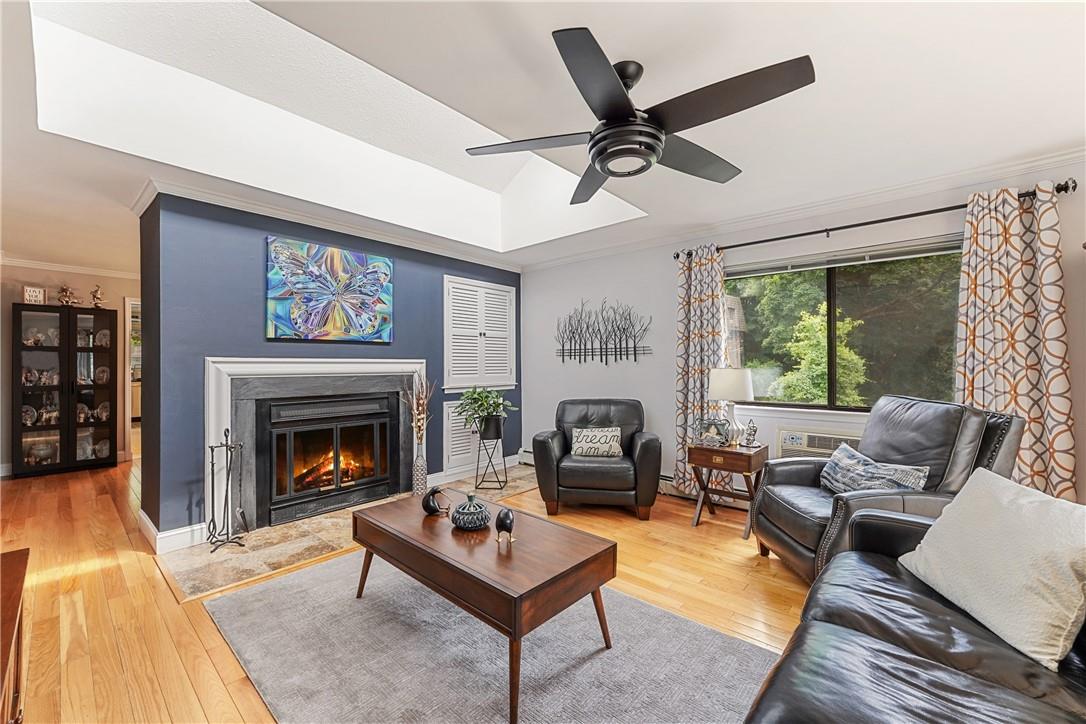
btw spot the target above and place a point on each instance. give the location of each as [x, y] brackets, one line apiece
[203, 277]
[647, 279]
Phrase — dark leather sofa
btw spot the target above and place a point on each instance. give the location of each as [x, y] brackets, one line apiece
[876, 644]
[805, 525]
[631, 479]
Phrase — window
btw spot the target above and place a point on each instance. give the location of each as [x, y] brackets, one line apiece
[892, 332]
[480, 334]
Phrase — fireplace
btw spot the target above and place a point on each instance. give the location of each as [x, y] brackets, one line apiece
[315, 454]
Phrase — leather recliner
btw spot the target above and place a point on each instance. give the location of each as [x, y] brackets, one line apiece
[631, 479]
[805, 525]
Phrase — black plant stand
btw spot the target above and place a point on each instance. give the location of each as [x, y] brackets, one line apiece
[498, 481]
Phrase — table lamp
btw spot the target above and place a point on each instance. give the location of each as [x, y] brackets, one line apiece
[731, 385]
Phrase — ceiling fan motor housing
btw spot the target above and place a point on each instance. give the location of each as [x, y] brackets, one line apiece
[625, 148]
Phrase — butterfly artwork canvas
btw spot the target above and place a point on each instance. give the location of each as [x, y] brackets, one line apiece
[324, 293]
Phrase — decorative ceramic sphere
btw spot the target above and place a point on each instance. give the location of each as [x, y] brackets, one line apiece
[471, 515]
[503, 522]
[430, 504]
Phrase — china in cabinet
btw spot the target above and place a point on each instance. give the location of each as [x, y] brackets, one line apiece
[64, 388]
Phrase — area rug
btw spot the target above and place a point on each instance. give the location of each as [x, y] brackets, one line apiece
[404, 654]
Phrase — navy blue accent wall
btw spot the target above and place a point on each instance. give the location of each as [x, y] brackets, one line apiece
[203, 278]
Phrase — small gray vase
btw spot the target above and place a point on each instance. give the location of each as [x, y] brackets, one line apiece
[418, 475]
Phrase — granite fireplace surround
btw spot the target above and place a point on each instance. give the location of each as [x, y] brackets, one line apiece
[246, 391]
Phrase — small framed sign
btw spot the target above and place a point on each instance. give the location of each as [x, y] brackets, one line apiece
[33, 295]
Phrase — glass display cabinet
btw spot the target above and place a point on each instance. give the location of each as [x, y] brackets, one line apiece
[64, 388]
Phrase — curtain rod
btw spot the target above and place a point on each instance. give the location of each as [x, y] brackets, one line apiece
[1066, 187]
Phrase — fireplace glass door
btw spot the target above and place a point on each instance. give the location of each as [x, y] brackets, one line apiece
[358, 459]
[328, 453]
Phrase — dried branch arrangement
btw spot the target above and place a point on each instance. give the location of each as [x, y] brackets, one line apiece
[611, 332]
[418, 395]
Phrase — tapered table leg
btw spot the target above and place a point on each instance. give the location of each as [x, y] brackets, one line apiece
[514, 680]
[597, 599]
[365, 572]
[703, 497]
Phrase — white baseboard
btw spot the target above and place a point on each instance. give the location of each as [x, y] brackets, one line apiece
[171, 540]
[447, 476]
[5, 469]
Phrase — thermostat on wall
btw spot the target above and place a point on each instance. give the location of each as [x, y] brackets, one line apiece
[33, 295]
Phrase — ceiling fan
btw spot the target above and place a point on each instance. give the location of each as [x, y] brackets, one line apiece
[629, 141]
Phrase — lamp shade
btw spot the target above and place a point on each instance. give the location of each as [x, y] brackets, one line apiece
[731, 384]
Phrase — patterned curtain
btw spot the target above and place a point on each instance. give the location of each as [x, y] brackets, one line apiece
[1012, 335]
[698, 348]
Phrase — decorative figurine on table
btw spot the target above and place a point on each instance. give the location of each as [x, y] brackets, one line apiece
[430, 504]
[67, 297]
[749, 433]
[503, 523]
[96, 296]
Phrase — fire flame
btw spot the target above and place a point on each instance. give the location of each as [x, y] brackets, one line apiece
[322, 473]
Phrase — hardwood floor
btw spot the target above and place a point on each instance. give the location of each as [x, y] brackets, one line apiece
[107, 640]
[708, 574]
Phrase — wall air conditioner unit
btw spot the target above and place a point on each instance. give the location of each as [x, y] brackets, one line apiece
[798, 444]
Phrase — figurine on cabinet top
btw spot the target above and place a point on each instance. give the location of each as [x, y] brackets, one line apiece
[96, 296]
[66, 296]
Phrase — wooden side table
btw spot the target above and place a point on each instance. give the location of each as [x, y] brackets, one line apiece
[748, 461]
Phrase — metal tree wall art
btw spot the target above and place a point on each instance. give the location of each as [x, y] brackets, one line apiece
[612, 332]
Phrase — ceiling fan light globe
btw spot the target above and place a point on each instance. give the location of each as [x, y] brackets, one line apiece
[622, 162]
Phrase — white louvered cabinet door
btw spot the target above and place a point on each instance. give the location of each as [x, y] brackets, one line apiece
[480, 334]
[460, 442]
[462, 334]
[497, 356]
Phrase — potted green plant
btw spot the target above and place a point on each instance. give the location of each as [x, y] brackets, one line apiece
[485, 409]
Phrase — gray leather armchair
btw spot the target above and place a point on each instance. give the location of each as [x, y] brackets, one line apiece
[631, 479]
[806, 526]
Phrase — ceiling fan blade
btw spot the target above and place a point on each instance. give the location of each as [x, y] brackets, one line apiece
[532, 144]
[590, 183]
[732, 95]
[596, 79]
[682, 155]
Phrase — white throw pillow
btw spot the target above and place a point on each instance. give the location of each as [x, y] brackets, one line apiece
[597, 442]
[1014, 559]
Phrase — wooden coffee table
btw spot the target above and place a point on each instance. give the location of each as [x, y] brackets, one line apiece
[513, 588]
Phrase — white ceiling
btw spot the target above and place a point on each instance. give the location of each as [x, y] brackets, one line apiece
[906, 94]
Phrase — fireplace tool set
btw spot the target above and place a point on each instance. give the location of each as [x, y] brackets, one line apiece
[220, 533]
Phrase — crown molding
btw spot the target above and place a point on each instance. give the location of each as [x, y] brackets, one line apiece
[146, 195]
[914, 190]
[6, 260]
[154, 187]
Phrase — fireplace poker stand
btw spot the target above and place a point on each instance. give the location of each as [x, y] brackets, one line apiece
[219, 533]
